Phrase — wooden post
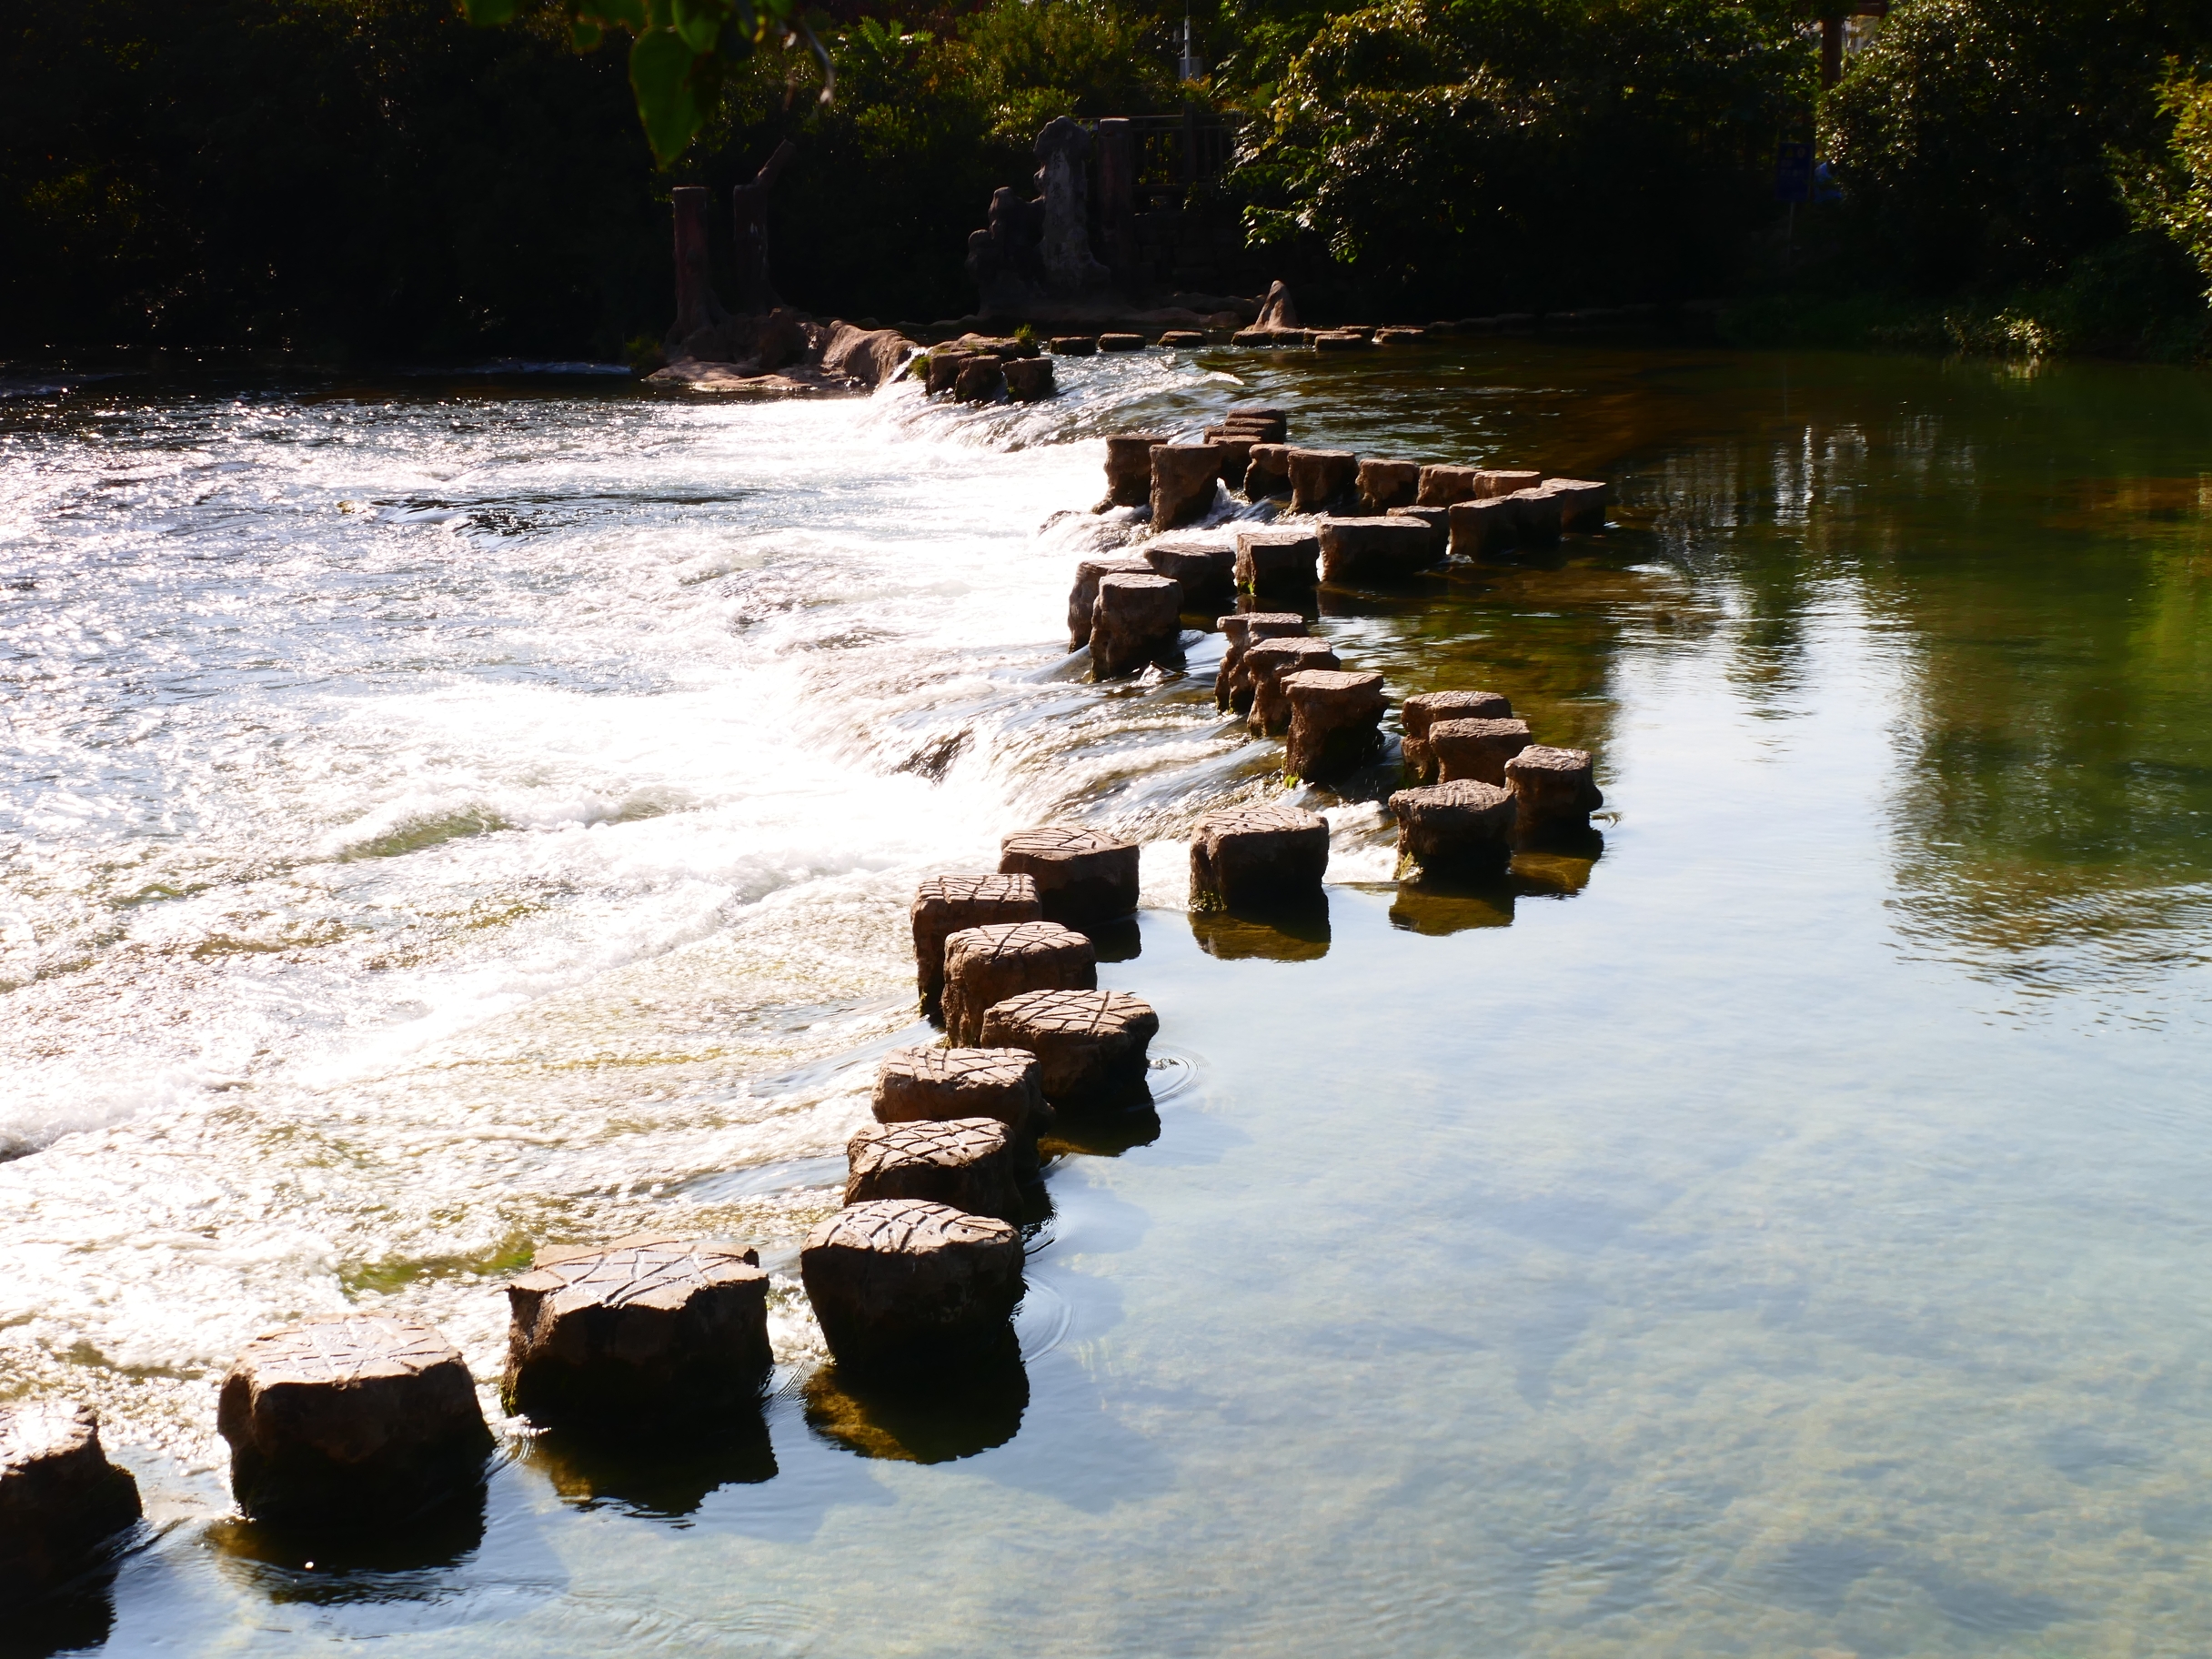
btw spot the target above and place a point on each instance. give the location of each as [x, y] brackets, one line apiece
[1831, 50]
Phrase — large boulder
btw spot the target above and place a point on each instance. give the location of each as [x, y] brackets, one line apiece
[350, 1418]
[609, 1336]
[904, 1281]
[1092, 1045]
[1185, 478]
[1335, 721]
[944, 905]
[60, 1498]
[1278, 310]
[965, 1163]
[1256, 856]
[870, 355]
[1085, 877]
[987, 965]
[1135, 621]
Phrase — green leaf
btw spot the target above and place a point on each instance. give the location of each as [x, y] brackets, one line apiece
[489, 13]
[660, 74]
[607, 14]
[699, 22]
[584, 36]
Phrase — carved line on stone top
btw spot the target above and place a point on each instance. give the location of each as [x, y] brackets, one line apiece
[344, 1347]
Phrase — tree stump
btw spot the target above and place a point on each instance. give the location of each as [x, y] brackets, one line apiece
[1233, 680]
[1136, 621]
[987, 965]
[1085, 877]
[1129, 467]
[904, 1281]
[349, 1417]
[1183, 480]
[1277, 560]
[1083, 597]
[945, 905]
[1387, 484]
[1464, 826]
[1319, 477]
[609, 1336]
[1554, 790]
[1090, 1044]
[964, 1163]
[1475, 749]
[60, 1498]
[1374, 549]
[1257, 855]
[1202, 569]
[1265, 666]
[1419, 712]
[1335, 718]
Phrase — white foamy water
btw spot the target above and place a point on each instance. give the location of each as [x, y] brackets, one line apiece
[434, 828]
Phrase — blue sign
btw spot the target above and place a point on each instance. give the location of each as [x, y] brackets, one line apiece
[1794, 173]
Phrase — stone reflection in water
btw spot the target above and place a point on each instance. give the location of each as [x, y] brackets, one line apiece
[1280, 933]
[1117, 941]
[1440, 904]
[662, 1475]
[70, 1620]
[1102, 1133]
[396, 1560]
[924, 1413]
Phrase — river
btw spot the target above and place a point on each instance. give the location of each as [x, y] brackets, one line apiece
[446, 816]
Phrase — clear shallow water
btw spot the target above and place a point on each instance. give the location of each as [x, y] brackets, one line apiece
[441, 822]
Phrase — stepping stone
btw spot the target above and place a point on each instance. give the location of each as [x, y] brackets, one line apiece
[1319, 477]
[350, 1416]
[597, 1334]
[1257, 855]
[1028, 379]
[1536, 518]
[1184, 476]
[902, 1280]
[1436, 519]
[1177, 339]
[1091, 1044]
[1265, 426]
[1335, 721]
[1277, 560]
[1340, 339]
[60, 1498]
[1129, 467]
[1582, 503]
[1232, 681]
[1266, 665]
[1374, 549]
[934, 1085]
[987, 965]
[946, 904]
[1400, 336]
[965, 1163]
[1482, 527]
[1202, 569]
[1554, 790]
[1085, 877]
[1083, 597]
[1494, 482]
[1464, 826]
[1073, 344]
[1419, 712]
[1236, 453]
[1387, 484]
[1135, 621]
[1267, 471]
[1121, 342]
[980, 380]
[1475, 749]
[1442, 486]
[943, 368]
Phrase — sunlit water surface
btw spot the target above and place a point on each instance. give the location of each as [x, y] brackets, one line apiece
[441, 819]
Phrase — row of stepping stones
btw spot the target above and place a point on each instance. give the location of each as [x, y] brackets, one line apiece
[978, 368]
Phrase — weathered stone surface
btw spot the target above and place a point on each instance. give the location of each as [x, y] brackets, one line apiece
[870, 355]
[1476, 749]
[1266, 665]
[1129, 467]
[350, 1416]
[1063, 179]
[1177, 339]
[1267, 471]
[1184, 483]
[935, 1085]
[1419, 712]
[1582, 502]
[1319, 477]
[648, 1324]
[1121, 342]
[60, 1498]
[944, 905]
[1277, 560]
[1271, 336]
[1387, 484]
[987, 965]
[980, 379]
[1335, 718]
[1400, 336]
[965, 1163]
[1074, 345]
[1261, 855]
[1374, 549]
[1278, 310]
[1340, 339]
[1536, 518]
[1203, 568]
[902, 1280]
[1442, 486]
[1236, 453]
[1028, 379]
[1504, 482]
[1083, 597]
[941, 370]
[1086, 877]
[1436, 520]
[1270, 425]
[1232, 682]
[1554, 790]
[1482, 528]
[1463, 825]
[1091, 1044]
[1135, 621]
